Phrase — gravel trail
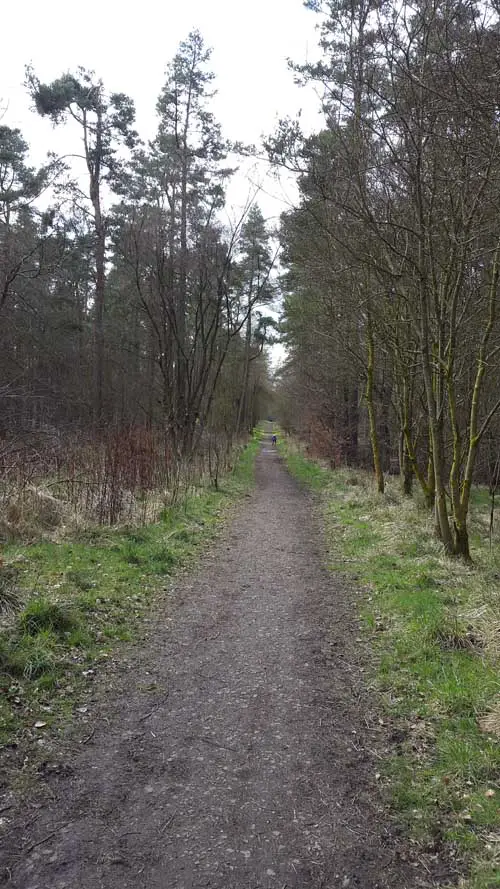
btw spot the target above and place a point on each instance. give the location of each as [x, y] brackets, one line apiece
[252, 765]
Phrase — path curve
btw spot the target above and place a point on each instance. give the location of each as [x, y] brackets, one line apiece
[254, 765]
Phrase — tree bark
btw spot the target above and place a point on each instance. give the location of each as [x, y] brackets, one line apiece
[370, 371]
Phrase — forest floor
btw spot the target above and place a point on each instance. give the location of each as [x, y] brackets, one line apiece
[239, 748]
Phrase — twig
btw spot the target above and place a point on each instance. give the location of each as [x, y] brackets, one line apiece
[89, 737]
[143, 718]
[212, 743]
[422, 862]
[41, 842]
[168, 822]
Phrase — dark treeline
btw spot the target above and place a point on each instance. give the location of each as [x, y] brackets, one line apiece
[391, 308]
[131, 316]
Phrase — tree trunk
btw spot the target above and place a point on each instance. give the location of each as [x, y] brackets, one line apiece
[350, 425]
[461, 547]
[243, 403]
[405, 467]
[99, 322]
[94, 167]
[443, 529]
[181, 305]
[370, 371]
[430, 493]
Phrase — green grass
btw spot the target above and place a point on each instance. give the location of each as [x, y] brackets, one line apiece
[433, 627]
[79, 600]
[9, 593]
[29, 656]
[307, 472]
[40, 614]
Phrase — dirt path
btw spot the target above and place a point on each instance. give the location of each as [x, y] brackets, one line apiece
[253, 767]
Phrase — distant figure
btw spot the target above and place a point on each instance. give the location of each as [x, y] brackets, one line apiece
[274, 440]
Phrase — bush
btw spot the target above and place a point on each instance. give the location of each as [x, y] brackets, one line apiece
[40, 614]
[82, 580]
[163, 560]
[29, 656]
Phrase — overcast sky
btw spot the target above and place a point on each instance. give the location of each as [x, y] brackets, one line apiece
[130, 45]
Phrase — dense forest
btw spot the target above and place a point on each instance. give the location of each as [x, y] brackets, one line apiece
[132, 316]
[391, 294]
[134, 319]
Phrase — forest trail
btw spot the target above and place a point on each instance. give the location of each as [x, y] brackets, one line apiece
[253, 765]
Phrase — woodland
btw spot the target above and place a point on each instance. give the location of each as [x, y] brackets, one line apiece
[392, 254]
[132, 317]
[135, 320]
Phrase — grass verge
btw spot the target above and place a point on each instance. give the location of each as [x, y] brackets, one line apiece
[433, 627]
[74, 602]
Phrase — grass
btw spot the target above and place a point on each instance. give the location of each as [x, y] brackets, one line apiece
[433, 626]
[9, 594]
[79, 600]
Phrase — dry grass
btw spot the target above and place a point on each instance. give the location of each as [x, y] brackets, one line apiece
[127, 478]
[490, 723]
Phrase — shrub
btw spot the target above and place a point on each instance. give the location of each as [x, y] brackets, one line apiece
[82, 580]
[29, 656]
[40, 614]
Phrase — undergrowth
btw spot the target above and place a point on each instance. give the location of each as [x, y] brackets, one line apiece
[433, 626]
[73, 602]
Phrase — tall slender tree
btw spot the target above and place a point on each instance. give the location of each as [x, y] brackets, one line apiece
[105, 122]
[258, 291]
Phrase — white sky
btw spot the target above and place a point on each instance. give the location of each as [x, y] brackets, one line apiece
[129, 46]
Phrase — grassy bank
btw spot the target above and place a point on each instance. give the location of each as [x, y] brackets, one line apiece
[76, 602]
[434, 631]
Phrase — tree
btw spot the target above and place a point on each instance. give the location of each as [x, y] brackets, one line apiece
[105, 123]
[20, 186]
[189, 139]
[404, 182]
[179, 255]
[254, 271]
